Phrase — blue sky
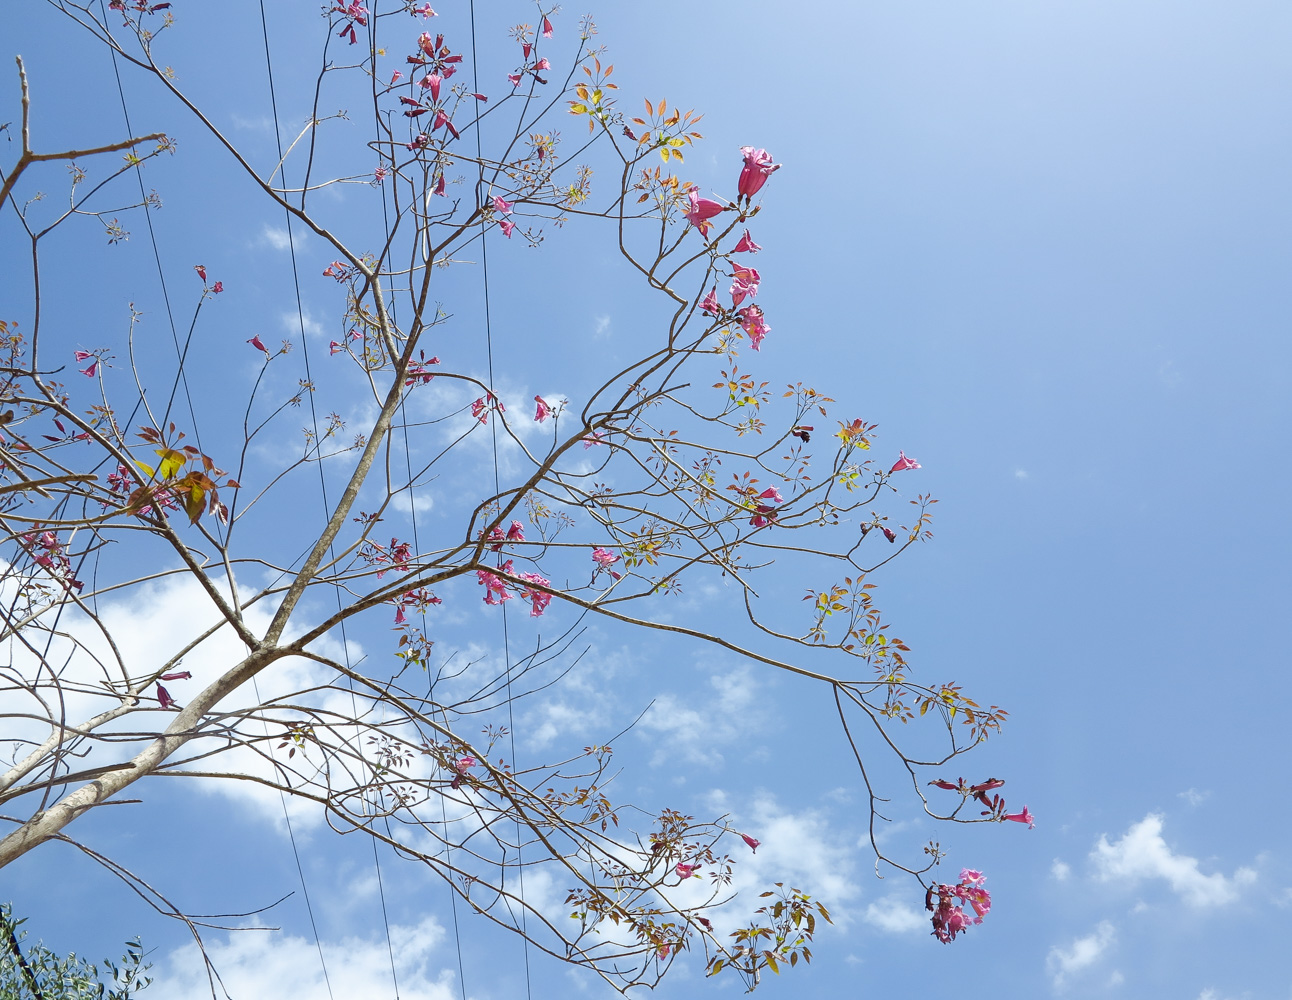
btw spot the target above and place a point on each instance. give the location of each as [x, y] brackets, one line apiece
[1045, 247]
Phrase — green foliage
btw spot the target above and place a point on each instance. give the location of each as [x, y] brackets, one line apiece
[33, 972]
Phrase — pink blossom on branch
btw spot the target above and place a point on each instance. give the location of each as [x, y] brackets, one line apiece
[903, 463]
[753, 844]
[746, 245]
[758, 167]
[1022, 817]
[258, 344]
[507, 227]
[686, 871]
[710, 305]
[604, 558]
[538, 599]
[163, 698]
[744, 283]
[702, 210]
[752, 322]
[541, 409]
[501, 206]
[547, 28]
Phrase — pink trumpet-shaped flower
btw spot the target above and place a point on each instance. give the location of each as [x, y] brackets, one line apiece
[710, 306]
[547, 28]
[542, 64]
[889, 533]
[424, 10]
[702, 210]
[395, 77]
[164, 698]
[541, 410]
[516, 533]
[1022, 817]
[758, 167]
[201, 272]
[744, 283]
[179, 675]
[746, 245]
[90, 370]
[82, 355]
[501, 206]
[903, 463]
[751, 320]
[753, 844]
[971, 875]
[439, 186]
[538, 599]
[461, 765]
[507, 227]
[441, 119]
[258, 344]
[514, 78]
[604, 558]
[686, 871]
[433, 81]
[217, 288]
[592, 439]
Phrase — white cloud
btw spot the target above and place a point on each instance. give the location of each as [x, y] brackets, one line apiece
[1194, 797]
[602, 326]
[1060, 870]
[276, 236]
[1063, 963]
[896, 916]
[293, 321]
[695, 730]
[272, 964]
[1143, 854]
[1021, 474]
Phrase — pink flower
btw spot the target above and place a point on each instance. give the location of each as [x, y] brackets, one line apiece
[90, 369]
[772, 494]
[180, 675]
[592, 439]
[461, 765]
[541, 411]
[686, 871]
[495, 587]
[424, 10]
[217, 288]
[538, 599]
[547, 28]
[335, 348]
[379, 175]
[971, 876]
[542, 64]
[903, 463]
[744, 283]
[753, 844]
[702, 210]
[514, 78]
[439, 185]
[758, 167]
[480, 97]
[889, 533]
[501, 206]
[710, 306]
[507, 226]
[164, 698]
[746, 245]
[258, 344]
[433, 81]
[751, 320]
[516, 533]
[201, 271]
[82, 355]
[1022, 817]
[604, 558]
[441, 119]
[395, 77]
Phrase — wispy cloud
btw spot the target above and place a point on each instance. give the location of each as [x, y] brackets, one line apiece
[1143, 854]
[1060, 871]
[1063, 963]
[276, 237]
[270, 963]
[896, 916]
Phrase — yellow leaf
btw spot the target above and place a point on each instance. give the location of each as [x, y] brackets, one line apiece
[171, 462]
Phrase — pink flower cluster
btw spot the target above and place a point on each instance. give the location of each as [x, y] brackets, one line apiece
[353, 13]
[481, 407]
[765, 513]
[995, 803]
[498, 590]
[949, 916]
[49, 553]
